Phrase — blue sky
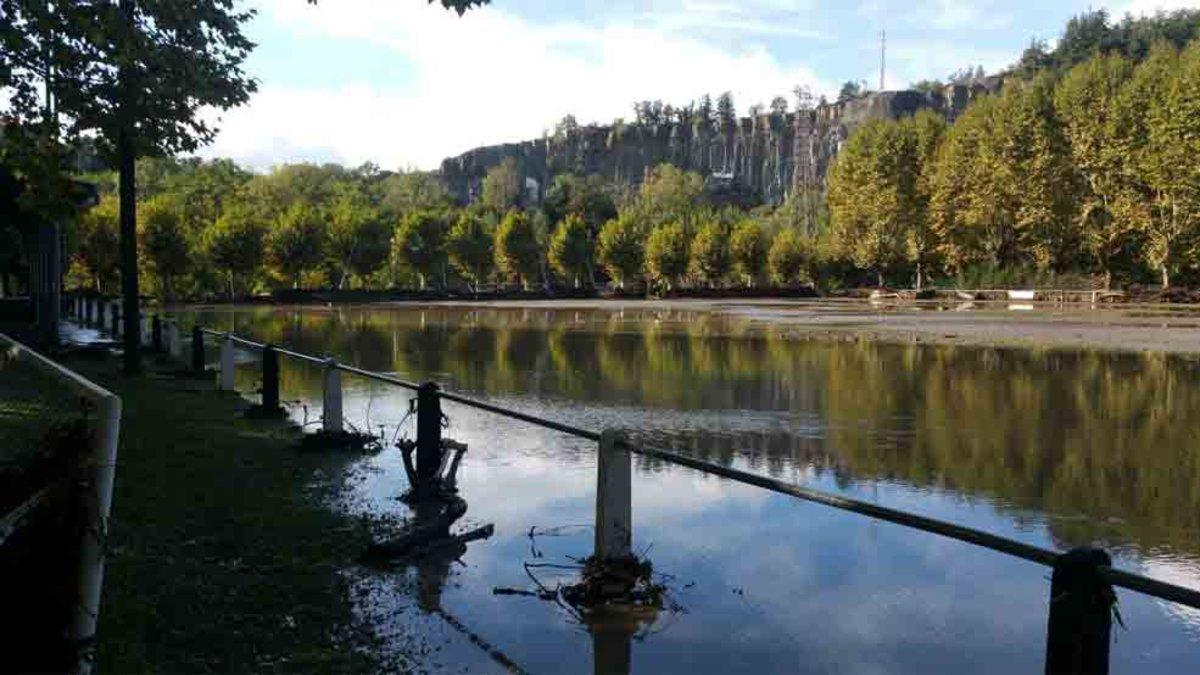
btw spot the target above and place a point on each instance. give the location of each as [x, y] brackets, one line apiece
[404, 84]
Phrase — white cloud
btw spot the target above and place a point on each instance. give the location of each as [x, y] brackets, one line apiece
[488, 77]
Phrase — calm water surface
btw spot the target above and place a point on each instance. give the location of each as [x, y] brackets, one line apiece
[1057, 448]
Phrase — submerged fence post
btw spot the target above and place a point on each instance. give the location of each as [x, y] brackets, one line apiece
[331, 398]
[226, 378]
[174, 342]
[156, 334]
[197, 350]
[429, 434]
[270, 380]
[614, 498]
[1081, 606]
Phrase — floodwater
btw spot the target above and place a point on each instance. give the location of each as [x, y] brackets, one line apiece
[1058, 448]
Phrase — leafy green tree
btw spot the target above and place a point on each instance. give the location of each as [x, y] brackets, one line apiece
[726, 112]
[710, 253]
[788, 257]
[295, 243]
[470, 246]
[403, 193]
[502, 187]
[748, 249]
[517, 252]
[1087, 102]
[571, 250]
[97, 248]
[621, 248]
[1161, 110]
[667, 254]
[420, 242]
[359, 240]
[669, 195]
[141, 75]
[586, 197]
[927, 129]
[873, 195]
[234, 243]
[162, 238]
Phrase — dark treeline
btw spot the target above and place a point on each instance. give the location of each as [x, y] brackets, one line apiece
[1082, 168]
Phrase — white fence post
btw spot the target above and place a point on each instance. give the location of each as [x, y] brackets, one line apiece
[102, 463]
[226, 379]
[174, 345]
[614, 498]
[331, 399]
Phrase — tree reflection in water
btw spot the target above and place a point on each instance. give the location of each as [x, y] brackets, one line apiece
[1101, 444]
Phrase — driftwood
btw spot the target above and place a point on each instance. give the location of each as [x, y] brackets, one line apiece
[430, 532]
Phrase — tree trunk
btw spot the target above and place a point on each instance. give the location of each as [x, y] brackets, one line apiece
[1107, 279]
[920, 276]
[879, 276]
[231, 285]
[1166, 277]
[128, 243]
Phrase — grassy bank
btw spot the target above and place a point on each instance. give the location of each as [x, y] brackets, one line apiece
[224, 556]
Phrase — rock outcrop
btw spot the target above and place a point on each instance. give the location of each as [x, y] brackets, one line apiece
[756, 159]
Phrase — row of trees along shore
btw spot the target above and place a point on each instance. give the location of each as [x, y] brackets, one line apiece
[1082, 168]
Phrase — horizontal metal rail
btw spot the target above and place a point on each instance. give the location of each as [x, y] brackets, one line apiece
[1036, 554]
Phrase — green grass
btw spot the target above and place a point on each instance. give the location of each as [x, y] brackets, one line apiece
[223, 554]
[30, 403]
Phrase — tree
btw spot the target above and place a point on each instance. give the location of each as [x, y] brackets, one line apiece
[872, 195]
[669, 195]
[571, 250]
[747, 247]
[403, 193]
[667, 254]
[502, 186]
[234, 243]
[726, 112]
[779, 106]
[805, 101]
[926, 128]
[851, 90]
[162, 237]
[97, 248]
[470, 246]
[710, 253]
[420, 243]
[1161, 109]
[517, 252]
[296, 242]
[621, 248]
[141, 75]
[586, 197]
[359, 240]
[1086, 100]
[704, 112]
[788, 257]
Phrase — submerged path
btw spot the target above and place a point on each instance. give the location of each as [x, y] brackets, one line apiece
[224, 555]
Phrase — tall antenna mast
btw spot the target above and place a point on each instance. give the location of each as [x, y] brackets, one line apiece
[882, 57]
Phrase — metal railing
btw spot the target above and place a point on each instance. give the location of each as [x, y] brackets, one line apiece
[1081, 585]
[101, 465]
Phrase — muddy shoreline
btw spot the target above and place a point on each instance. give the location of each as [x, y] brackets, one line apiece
[1164, 328]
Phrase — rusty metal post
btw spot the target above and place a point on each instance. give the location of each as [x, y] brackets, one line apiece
[1081, 607]
[270, 380]
[197, 350]
[226, 376]
[614, 499]
[429, 435]
[156, 333]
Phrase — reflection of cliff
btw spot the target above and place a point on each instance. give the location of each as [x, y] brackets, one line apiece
[761, 158]
[1106, 444]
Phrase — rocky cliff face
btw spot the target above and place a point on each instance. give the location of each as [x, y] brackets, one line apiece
[758, 159]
